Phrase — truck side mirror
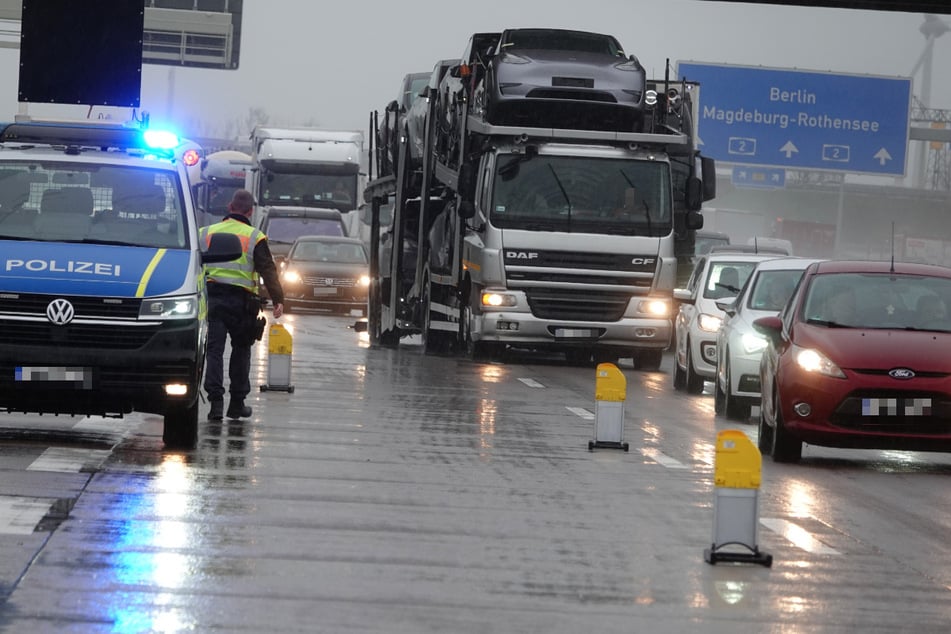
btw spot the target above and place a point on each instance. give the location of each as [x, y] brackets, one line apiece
[466, 210]
[694, 221]
[466, 180]
[708, 170]
[694, 194]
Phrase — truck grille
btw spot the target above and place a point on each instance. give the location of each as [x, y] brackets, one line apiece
[577, 305]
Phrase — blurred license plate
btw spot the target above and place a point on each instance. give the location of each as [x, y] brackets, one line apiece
[896, 407]
[80, 377]
[321, 290]
[574, 333]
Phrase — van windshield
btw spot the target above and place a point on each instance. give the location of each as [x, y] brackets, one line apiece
[82, 202]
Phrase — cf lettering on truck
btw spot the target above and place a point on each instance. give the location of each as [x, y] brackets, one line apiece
[102, 298]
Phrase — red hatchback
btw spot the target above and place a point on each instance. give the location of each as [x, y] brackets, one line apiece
[860, 357]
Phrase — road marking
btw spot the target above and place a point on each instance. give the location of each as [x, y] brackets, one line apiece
[582, 412]
[68, 459]
[531, 383]
[19, 516]
[799, 536]
[662, 459]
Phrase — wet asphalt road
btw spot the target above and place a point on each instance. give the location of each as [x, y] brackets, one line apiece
[398, 492]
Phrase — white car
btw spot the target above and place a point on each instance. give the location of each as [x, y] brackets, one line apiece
[739, 346]
[717, 275]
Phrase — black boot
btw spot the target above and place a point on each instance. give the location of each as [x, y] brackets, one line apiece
[237, 409]
[216, 411]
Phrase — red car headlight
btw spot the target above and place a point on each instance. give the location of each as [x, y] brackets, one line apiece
[812, 360]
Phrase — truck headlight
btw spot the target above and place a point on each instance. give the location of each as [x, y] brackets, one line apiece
[169, 308]
[498, 299]
[654, 307]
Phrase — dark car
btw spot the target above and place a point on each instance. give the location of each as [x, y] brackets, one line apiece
[858, 358]
[326, 272]
[416, 116]
[394, 119]
[456, 88]
[559, 78]
[283, 225]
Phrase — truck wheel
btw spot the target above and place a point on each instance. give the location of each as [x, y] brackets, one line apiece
[389, 338]
[181, 426]
[434, 341]
[475, 350]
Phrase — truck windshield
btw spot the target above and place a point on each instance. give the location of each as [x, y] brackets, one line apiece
[82, 202]
[331, 191]
[582, 195]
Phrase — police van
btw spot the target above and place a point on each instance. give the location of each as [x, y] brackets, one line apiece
[102, 298]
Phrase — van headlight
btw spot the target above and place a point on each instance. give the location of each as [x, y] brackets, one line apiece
[184, 307]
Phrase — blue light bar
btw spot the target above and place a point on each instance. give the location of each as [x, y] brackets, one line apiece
[98, 135]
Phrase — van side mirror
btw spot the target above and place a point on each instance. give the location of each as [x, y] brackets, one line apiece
[466, 210]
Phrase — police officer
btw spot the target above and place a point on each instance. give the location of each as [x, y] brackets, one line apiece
[233, 306]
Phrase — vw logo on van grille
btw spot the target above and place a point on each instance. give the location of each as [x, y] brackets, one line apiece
[60, 312]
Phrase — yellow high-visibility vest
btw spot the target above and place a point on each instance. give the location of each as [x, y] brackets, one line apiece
[238, 272]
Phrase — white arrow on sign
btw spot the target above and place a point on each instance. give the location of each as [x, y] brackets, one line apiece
[882, 155]
[789, 148]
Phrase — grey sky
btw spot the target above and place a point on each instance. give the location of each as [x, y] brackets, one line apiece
[329, 64]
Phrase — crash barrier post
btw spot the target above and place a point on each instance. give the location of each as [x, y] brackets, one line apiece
[737, 474]
[610, 391]
[279, 346]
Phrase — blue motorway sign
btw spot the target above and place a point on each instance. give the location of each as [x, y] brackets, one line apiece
[802, 120]
[756, 177]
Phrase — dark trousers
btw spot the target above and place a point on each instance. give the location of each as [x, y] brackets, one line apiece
[228, 317]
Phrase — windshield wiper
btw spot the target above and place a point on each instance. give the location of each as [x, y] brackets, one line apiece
[647, 210]
[563, 193]
[827, 323]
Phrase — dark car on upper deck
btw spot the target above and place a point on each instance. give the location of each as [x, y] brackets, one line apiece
[394, 120]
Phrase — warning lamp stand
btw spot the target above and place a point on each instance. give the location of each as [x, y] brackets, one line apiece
[279, 345]
[609, 393]
[735, 515]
